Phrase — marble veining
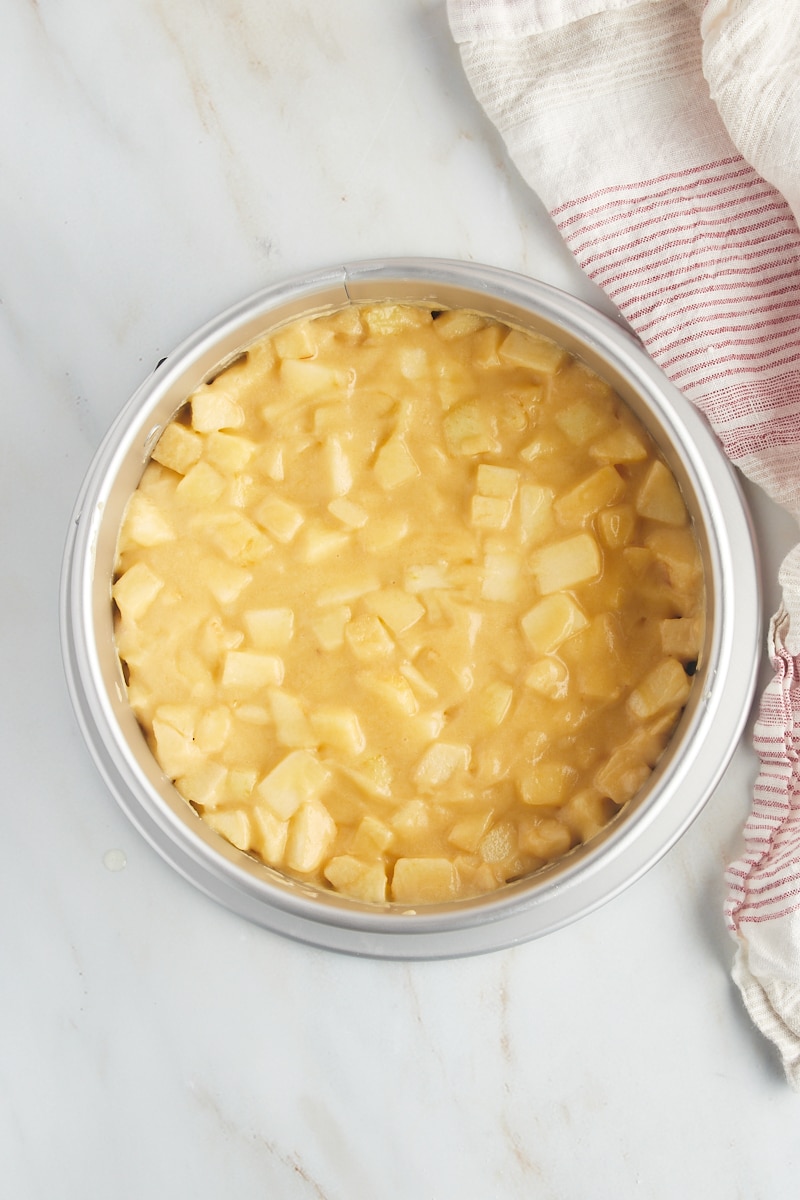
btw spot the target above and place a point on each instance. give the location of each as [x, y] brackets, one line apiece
[161, 161]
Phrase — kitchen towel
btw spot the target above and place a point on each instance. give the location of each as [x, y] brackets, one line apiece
[664, 138]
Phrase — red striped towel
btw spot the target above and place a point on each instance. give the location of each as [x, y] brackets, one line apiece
[664, 137]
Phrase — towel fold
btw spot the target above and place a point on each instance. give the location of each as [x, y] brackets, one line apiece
[664, 138]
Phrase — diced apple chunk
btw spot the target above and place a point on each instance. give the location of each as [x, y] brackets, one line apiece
[550, 622]
[619, 445]
[399, 610]
[549, 445]
[229, 452]
[216, 637]
[329, 628]
[536, 516]
[681, 637]
[468, 430]
[495, 701]
[584, 421]
[200, 485]
[183, 717]
[372, 837]
[271, 461]
[467, 833]
[269, 628]
[457, 323]
[145, 523]
[394, 464]
[678, 550]
[203, 784]
[269, 835]
[587, 813]
[350, 514]
[233, 824]
[136, 590]
[178, 448]
[501, 573]
[362, 880]
[413, 362]
[500, 843]
[565, 564]
[579, 504]
[297, 779]
[621, 777]
[497, 481]
[530, 350]
[549, 677]
[312, 831]
[213, 409]
[240, 784]
[659, 497]
[246, 671]
[382, 532]
[383, 320]
[424, 881]
[411, 819]
[486, 345]
[304, 377]
[340, 471]
[373, 775]
[422, 686]
[292, 726]
[239, 538]
[176, 751]
[368, 637]
[213, 729]
[279, 517]
[296, 340]
[616, 525]
[595, 656]
[425, 577]
[319, 544]
[338, 726]
[545, 784]
[490, 512]
[440, 762]
[226, 581]
[665, 687]
[544, 837]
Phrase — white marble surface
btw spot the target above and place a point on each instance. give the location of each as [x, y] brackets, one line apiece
[161, 159]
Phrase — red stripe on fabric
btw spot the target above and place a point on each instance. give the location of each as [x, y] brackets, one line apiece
[782, 250]
[768, 901]
[765, 872]
[729, 280]
[763, 339]
[732, 370]
[743, 169]
[713, 333]
[767, 802]
[722, 237]
[670, 199]
[754, 304]
[670, 224]
[621, 210]
[743, 446]
[746, 919]
[699, 274]
[754, 308]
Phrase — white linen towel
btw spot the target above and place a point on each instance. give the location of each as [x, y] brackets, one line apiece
[664, 137]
